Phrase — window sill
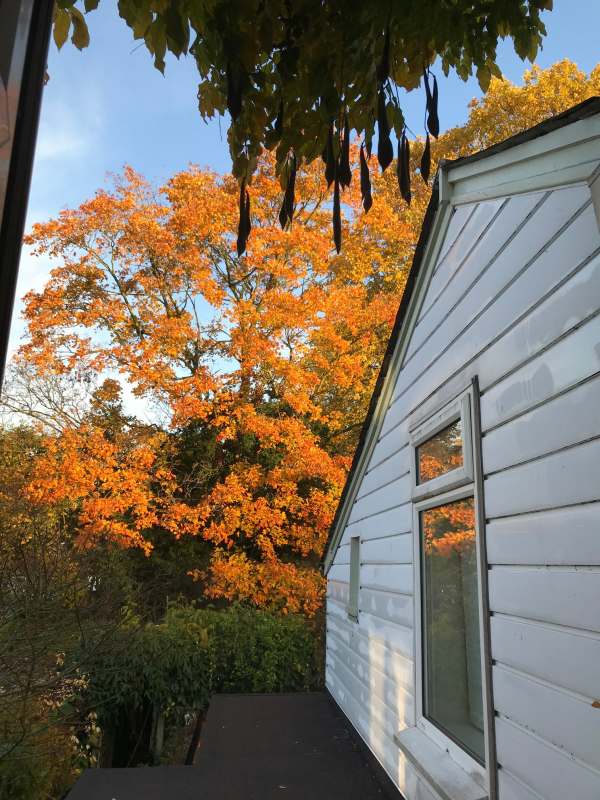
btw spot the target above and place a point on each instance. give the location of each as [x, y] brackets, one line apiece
[447, 779]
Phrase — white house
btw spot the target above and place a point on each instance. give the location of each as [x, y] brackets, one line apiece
[463, 568]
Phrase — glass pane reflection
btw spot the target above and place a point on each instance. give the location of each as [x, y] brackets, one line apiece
[452, 655]
[440, 454]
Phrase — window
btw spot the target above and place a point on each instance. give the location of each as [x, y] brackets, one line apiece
[442, 451]
[450, 703]
[354, 577]
[452, 697]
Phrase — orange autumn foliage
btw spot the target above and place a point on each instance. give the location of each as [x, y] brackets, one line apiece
[271, 357]
[268, 359]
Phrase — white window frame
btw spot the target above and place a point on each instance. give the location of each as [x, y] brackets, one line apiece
[455, 485]
[354, 582]
[457, 409]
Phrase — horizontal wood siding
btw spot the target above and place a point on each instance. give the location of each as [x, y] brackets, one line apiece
[546, 769]
[560, 536]
[514, 299]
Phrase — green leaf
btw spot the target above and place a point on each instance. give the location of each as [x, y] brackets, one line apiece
[91, 5]
[484, 77]
[81, 35]
[62, 24]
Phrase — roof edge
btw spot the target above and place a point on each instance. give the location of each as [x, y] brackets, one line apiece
[439, 199]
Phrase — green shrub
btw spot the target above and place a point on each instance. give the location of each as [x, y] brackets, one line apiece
[168, 668]
[261, 651]
[165, 665]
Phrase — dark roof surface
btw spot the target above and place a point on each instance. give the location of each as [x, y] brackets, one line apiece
[257, 747]
[588, 108]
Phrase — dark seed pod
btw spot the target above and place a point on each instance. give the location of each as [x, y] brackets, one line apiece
[279, 121]
[345, 171]
[403, 168]
[383, 69]
[433, 122]
[385, 150]
[234, 92]
[286, 213]
[426, 161]
[365, 181]
[244, 223]
[329, 158]
[337, 217]
[368, 144]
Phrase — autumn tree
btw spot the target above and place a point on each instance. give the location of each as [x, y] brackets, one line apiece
[259, 368]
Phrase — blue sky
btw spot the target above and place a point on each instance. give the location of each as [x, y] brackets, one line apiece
[107, 106]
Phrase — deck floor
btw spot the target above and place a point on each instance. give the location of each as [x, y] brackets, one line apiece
[255, 747]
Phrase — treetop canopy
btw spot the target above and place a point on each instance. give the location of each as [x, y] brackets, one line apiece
[297, 76]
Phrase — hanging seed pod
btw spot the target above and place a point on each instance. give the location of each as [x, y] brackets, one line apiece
[244, 223]
[383, 69]
[337, 217]
[279, 121]
[433, 122]
[286, 212]
[385, 150]
[345, 172]
[234, 91]
[403, 168]
[365, 181]
[329, 158]
[368, 144]
[426, 160]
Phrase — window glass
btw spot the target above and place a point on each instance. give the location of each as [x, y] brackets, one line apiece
[440, 454]
[452, 656]
[354, 576]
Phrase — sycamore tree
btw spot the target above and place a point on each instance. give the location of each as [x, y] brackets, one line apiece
[260, 367]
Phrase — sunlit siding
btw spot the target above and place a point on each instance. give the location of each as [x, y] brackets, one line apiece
[515, 300]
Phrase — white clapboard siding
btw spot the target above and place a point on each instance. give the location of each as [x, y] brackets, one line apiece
[389, 444]
[338, 591]
[388, 496]
[479, 222]
[567, 362]
[373, 650]
[510, 788]
[493, 319]
[389, 577]
[560, 536]
[386, 605]
[399, 637]
[388, 550]
[562, 718]
[561, 310]
[565, 478]
[388, 718]
[512, 216]
[565, 596]
[385, 523]
[394, 696]
[340, 572]
[393, 466]
[566, 657]
[535, 433]
[458, 220]
[573, 244]
[548, 770]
